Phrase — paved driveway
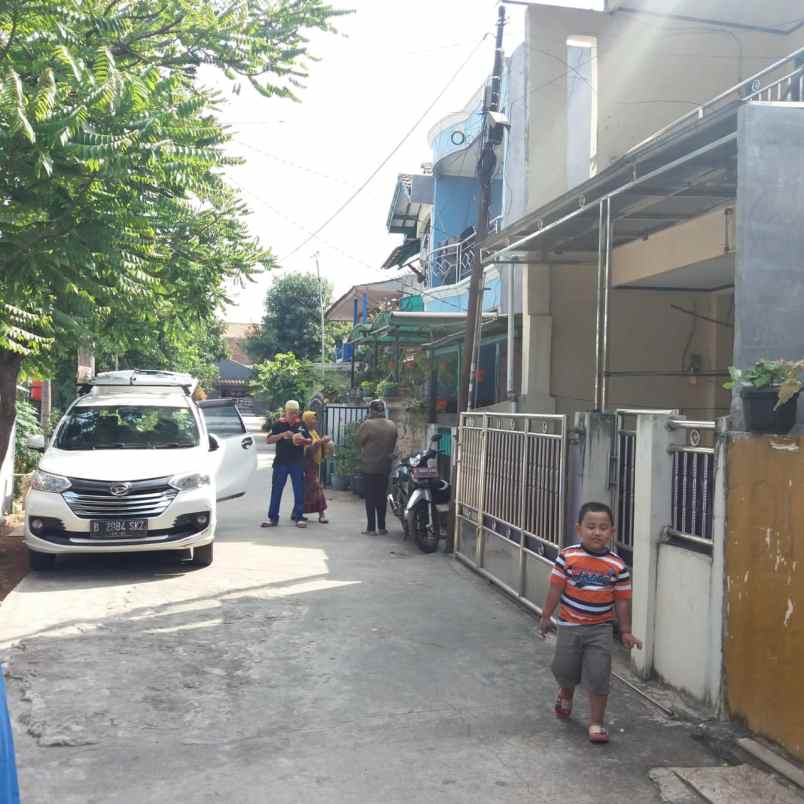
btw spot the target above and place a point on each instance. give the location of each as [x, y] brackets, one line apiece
[303, 666]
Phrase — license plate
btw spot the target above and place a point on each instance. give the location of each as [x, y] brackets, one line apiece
[425, 473]
[119, 528]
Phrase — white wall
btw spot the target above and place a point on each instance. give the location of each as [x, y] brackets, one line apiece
[646, 334]
[650, 72]
[678, 592]
[682, 637]
[7, 477]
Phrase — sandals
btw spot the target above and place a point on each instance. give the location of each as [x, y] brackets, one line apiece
[563, 708]
[598, 734]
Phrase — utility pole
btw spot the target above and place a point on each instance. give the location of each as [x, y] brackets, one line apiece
[486, 165]
[321, 309]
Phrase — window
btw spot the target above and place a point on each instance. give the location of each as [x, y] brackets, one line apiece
[581, 109]
[447, 372]
[128, 427]
[223, 420]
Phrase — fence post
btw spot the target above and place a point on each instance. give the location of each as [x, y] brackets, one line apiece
[481, 534]
[596, 446]
[652, 514]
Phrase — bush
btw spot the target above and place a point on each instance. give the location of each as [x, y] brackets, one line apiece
[25, 460]
[347, 455]
[368, 389]
[387, 389]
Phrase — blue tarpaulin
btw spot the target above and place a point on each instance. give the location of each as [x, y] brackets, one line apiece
[9, 791]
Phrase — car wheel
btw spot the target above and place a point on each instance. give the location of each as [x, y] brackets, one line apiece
[202, 556]
[41, 562]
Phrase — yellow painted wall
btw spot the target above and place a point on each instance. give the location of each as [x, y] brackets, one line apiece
[764, 646]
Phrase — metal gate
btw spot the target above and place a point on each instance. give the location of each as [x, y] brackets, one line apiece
[336, 419]
[625, 480]
[335, 422]
[511, 499]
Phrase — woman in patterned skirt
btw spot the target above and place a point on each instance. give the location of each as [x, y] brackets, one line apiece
[314, 500]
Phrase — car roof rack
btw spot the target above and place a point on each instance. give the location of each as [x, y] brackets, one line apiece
[140, 378]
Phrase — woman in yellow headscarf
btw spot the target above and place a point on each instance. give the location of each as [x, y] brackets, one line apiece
[314, 500]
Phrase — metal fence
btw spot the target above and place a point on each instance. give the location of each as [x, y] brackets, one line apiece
[625, 477]
[511, 498]
[450, 263]
[692, 493]
[335, 422]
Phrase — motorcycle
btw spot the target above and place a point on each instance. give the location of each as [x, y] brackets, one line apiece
[420, 499]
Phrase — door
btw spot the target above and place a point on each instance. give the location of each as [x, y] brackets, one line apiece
[235, 459]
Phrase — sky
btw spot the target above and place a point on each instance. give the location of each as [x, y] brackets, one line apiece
[372, 81]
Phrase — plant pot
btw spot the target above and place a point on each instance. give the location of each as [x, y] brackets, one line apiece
[340, 482]
[359, 485]
[761, 414]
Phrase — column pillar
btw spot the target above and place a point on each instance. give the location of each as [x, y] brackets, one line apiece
[652, 514]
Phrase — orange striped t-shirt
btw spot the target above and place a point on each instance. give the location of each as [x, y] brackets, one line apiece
[590, 583]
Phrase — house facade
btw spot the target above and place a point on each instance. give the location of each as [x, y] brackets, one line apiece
[658, 243]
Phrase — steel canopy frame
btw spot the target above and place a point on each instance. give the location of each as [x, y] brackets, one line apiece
[605, 225]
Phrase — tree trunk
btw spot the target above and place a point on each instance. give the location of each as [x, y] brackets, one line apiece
[10, 363]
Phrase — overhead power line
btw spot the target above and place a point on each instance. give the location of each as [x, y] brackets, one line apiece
[390, 156]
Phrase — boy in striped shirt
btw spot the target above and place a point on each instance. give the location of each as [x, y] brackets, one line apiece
[592, 586]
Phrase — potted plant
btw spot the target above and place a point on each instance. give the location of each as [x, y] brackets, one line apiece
[770, 391]
[346, 461]
[368, 389]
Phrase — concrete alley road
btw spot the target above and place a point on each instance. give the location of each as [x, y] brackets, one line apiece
[313, 666]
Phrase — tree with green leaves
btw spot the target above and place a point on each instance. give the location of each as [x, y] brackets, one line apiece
[113, 202]
[292, 319]
[285, 377]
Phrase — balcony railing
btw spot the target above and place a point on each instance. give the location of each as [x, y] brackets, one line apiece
[449, 263]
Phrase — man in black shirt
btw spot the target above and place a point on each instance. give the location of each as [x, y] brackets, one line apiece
[291, 437]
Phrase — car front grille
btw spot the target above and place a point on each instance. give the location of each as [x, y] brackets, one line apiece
[93, 499]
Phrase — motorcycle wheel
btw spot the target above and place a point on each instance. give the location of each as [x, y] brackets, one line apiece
[425, 537]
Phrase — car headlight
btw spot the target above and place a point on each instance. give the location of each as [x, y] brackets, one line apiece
[188, 482]
[44, 481]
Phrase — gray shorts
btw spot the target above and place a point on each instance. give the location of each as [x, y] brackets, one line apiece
[584, 652]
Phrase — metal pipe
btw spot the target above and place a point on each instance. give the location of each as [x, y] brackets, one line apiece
[604, 392]
[510, 390]
[686, 424]
[666, 374]
[677, 534]
[624, 189]
[599, 311]
[669, 712]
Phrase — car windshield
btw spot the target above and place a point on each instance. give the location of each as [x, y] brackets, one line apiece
[128, 427]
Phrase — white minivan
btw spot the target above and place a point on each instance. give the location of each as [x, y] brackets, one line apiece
[136, 465]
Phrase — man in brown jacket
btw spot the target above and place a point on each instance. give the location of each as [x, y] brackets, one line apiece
[376, 439]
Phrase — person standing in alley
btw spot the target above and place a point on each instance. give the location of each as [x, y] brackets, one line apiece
[376, 439]
[315, 501]
[592, 586]
[291, 437]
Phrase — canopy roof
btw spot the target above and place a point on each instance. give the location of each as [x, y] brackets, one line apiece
[411, 328]
[680, 173]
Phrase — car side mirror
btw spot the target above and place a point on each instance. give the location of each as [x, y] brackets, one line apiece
[36, 442]
[214, 444]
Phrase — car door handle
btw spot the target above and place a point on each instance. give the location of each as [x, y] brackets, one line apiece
[247, 442]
